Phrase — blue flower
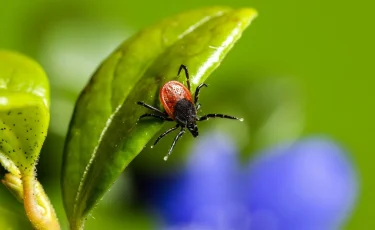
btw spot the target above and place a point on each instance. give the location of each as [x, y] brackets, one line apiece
[309, 184]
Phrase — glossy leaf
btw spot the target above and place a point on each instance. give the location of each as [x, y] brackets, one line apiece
[24, 112]
[105, 134]
[24, 120]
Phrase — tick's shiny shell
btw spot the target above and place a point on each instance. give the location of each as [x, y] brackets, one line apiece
[171, 93]
[179, 107]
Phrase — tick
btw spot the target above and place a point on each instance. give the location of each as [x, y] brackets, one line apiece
[179, 106]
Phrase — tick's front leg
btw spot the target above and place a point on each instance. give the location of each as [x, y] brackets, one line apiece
[149, 107]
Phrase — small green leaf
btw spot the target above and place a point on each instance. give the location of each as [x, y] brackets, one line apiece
[24, 112]
[24, 120]
[105, 135]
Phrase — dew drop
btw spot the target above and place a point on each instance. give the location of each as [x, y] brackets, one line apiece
[165, 158]
[241, 119]
[152, 146]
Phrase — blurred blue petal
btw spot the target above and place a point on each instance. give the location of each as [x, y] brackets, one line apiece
[212, 171]
[308, 185]
[206, 195]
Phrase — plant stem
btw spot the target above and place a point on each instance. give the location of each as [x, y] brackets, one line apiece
[77, 225]
[37, 205]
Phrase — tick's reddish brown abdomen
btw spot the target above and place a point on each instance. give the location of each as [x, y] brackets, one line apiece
[171, 93]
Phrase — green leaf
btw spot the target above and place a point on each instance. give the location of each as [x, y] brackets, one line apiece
[24, 112]
[24, 120]
[105, 135]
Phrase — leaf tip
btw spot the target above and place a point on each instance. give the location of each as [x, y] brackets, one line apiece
[247, 14]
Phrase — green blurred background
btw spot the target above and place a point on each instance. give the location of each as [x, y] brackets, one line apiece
[301, 68]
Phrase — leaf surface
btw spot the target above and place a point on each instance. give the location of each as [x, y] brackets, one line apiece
[105, 134]
[24, 112]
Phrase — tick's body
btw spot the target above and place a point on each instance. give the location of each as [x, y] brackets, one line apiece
[180, 107]
[172, 94]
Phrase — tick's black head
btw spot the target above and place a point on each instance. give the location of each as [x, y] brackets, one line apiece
[193, 128]
[185, 114]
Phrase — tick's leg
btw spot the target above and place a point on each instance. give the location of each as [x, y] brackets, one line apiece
[183, 67]
[197, 106]
[161, 117]
[149, 107]
[165, 133]
[197, 93]
[214, 115]
[174, 142]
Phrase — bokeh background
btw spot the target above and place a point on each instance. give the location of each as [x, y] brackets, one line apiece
[302, 69]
